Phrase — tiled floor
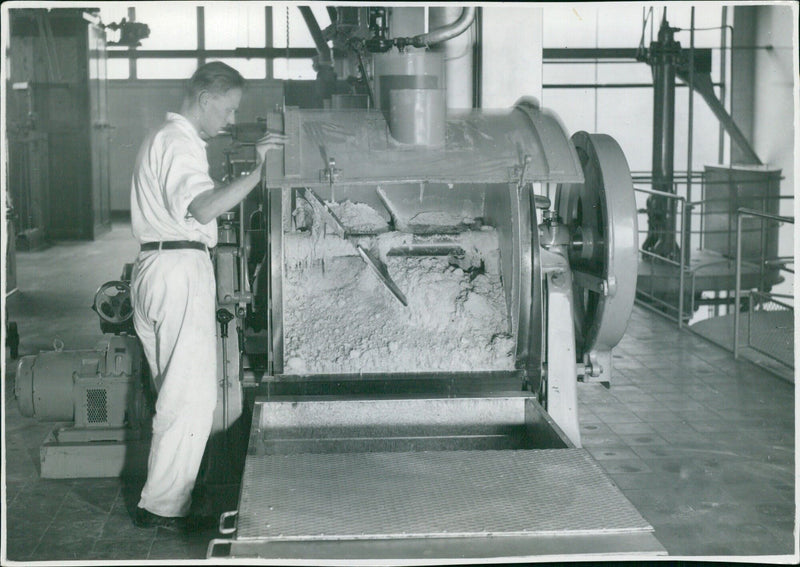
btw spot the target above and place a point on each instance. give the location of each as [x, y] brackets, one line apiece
[703, 446]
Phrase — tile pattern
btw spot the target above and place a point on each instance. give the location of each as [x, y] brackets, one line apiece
[702, 445]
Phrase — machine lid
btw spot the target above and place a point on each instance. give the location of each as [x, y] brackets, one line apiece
[604, 254]
[355, 147]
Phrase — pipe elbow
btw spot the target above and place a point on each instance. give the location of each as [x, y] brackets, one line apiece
[447, 32]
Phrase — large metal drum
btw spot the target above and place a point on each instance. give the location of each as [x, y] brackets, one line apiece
[436, 220]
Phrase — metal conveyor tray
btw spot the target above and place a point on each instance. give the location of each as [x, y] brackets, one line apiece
[485, 480]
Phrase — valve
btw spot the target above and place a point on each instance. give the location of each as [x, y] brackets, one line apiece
[223, 318]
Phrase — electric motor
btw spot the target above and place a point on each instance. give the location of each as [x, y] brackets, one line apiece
[102, 387]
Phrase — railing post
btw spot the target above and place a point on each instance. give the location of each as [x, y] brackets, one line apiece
[682, 263]
[738, 284]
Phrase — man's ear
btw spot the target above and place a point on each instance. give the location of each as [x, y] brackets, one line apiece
[202, 98]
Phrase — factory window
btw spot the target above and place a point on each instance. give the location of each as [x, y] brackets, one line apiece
[288, 25]
[113, 13]
[234, 25]
[249, 68]
[586, 93]
[165, 68]
[173, 25]
[118, 69]
[293, 69]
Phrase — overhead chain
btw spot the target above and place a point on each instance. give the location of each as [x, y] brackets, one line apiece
[287, 42]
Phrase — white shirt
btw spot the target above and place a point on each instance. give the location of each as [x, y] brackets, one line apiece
[171, 170]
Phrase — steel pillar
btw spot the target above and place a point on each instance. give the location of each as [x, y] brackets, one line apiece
[663, 58]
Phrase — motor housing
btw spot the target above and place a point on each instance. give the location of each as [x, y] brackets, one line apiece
[98, 388]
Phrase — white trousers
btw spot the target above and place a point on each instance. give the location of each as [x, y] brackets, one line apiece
[174, 315]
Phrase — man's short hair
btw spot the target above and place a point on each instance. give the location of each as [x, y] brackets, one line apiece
[215, 77]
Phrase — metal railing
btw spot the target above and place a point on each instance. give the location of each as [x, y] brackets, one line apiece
[651, 296]
[757, 297]
[697, 224]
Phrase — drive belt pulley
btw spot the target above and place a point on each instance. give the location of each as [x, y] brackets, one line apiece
[600, 214]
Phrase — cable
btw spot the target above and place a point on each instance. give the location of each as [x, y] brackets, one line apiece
[645, 18]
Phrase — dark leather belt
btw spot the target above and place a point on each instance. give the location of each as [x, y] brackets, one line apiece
[174, 245]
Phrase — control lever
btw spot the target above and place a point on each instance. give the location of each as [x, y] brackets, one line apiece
[224, 317]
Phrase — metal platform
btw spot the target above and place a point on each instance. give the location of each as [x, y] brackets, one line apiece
[707, 271]
[369, 488]
[431, 494]
[772, 331]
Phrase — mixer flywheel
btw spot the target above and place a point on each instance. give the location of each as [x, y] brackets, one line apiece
[601, 216]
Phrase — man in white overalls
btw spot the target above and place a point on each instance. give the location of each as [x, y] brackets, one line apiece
[174, 206]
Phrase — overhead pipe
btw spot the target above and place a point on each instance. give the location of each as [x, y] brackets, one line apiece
[458, 55]
[444, 33]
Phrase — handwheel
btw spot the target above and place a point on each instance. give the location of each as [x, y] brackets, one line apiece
[601, 216]
[112, 302]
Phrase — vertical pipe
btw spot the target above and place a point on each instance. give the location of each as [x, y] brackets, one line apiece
[686, 247]
[457, 55]
[201, 34]
[668, 147]
[477, 59]
[750, 320]
[663, 54]
[267, 222]
[682, 265]
[268, 39]
[242, 255]
[738, 289]
[763, 248]
[132, 60]
[723, 71]
[225, 384]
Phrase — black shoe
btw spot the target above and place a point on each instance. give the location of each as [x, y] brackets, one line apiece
[146, 519]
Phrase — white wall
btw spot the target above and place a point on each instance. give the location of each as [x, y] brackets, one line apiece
[774, 120]
[512, 54]
[775, 79]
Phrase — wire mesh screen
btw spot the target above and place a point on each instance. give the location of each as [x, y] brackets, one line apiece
[771, 327]
[96, 405]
